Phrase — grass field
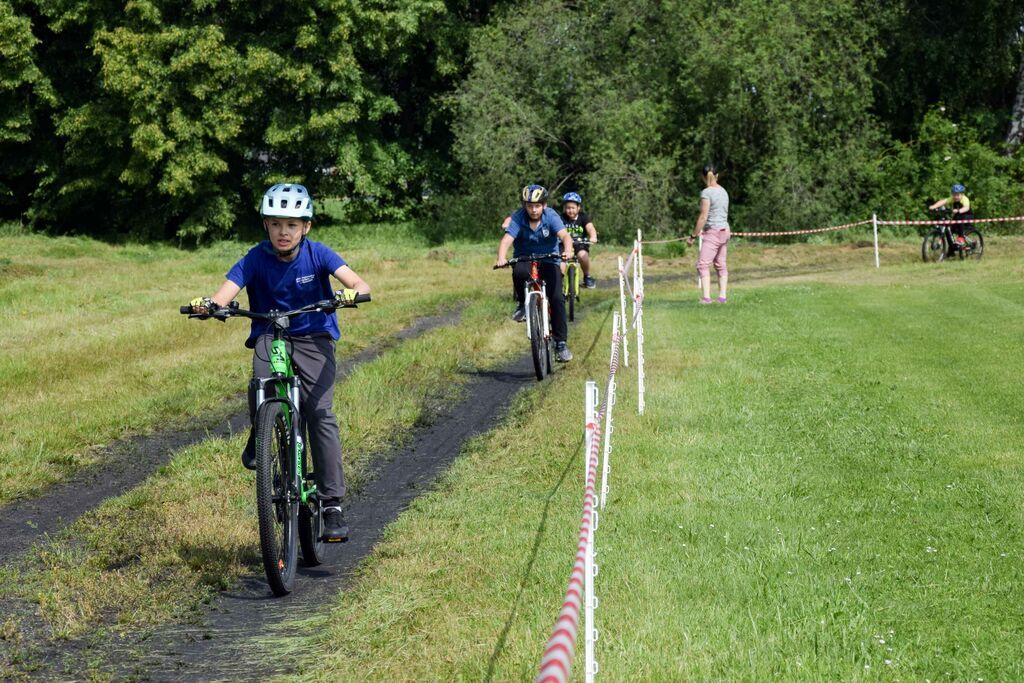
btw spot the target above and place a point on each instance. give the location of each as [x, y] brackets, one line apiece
[826, 485]
[829, 462]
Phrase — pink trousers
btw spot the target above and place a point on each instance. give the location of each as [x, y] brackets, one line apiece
[713, 249]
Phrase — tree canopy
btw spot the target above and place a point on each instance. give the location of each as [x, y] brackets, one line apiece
[161, 119]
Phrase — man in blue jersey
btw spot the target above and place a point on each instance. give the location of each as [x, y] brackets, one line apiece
[284, 272]
[536, 229]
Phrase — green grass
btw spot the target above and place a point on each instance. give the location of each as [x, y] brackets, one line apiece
[826, 485]
[95, 348]
[861, 486]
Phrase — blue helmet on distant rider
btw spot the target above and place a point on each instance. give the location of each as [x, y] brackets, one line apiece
[572, 197]
[957, 188]
[287, 200]
[534, 194]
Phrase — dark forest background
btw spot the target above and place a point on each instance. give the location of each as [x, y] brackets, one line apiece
[154, 120]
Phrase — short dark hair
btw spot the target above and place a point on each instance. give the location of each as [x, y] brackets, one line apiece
[709, 168]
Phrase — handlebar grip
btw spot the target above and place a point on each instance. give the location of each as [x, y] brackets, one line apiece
[362, 298]
[186, 310]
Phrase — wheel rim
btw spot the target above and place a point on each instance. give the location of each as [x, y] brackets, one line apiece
[537, 345]
[277, 502]
[934, 248]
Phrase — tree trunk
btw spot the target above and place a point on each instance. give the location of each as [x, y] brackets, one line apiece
[1016, 134]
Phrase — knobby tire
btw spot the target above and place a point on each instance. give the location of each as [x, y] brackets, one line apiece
[975, 243]
[311, 522]
[276, 507]
[538, 345]
[934, 247]
[571, 297]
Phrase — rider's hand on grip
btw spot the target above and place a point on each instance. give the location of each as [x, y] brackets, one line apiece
[202, 306]
[346, 297]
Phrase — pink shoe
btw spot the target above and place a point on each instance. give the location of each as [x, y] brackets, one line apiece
[705, 300]
[721, 299]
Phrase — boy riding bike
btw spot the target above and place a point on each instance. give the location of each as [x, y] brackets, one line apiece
[536, 229]
[579, 226]
[284, 272]
[960, 208]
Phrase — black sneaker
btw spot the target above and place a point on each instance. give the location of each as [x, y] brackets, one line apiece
[589, 282]
[562, 352]
[519, 315]
[335, 528]
[249, 453]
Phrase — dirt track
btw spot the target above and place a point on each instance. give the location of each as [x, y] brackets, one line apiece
[127, 463]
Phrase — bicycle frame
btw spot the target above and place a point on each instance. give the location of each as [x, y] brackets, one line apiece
[286, 385]
[537, 287]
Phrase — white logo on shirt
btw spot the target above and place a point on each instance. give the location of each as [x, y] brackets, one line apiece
[546, 232]
[304, 279]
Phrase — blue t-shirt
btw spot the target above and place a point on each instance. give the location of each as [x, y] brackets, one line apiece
[543, 240]
[274, 284]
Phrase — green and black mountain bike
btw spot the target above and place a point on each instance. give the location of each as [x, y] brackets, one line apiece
[289, 509]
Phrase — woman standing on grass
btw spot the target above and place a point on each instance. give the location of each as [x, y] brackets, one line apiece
[713, 222]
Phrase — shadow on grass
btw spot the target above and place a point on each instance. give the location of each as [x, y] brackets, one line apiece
[570, 460]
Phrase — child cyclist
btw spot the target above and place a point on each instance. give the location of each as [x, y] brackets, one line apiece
[960, 207]
[284, 272]
[578, 223]
[536, 229]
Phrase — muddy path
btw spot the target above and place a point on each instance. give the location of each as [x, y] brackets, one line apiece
[128, 462]
[224, 643]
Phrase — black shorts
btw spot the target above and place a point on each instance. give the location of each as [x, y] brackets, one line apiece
[577, 247]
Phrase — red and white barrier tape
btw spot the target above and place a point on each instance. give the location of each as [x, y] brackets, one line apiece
[813, 231]
[832, 228]
[556, 663]
[950, 221]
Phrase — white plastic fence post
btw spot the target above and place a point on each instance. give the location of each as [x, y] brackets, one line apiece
[874, 225]
[622, 312]
[700, 245]
[589, 602]
[609, 397]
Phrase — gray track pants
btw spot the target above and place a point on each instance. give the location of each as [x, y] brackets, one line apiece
[314, 363]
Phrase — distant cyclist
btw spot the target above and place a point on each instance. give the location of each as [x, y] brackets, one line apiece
[536, 229]
[579, 226]
[960, 206]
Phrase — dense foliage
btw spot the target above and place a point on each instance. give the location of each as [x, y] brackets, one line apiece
[816, 112]
[161, 119]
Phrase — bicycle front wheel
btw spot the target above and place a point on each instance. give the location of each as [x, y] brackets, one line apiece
[538, 345]
[934, 247]
[573, 287]
[974, 244]
[277, 503]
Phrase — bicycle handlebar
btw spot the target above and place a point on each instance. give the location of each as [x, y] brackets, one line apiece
[530, 257]
[232, 310]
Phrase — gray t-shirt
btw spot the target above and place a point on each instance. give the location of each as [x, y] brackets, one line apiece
[718, 212]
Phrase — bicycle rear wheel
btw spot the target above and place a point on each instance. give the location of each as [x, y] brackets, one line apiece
[538, 345]
[934, 247]
[277, 503]
[974, 245]
[573, 290]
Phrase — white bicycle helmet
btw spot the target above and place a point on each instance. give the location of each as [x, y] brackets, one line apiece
[287, 200]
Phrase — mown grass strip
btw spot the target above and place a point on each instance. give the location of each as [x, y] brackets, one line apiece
[826, 485]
